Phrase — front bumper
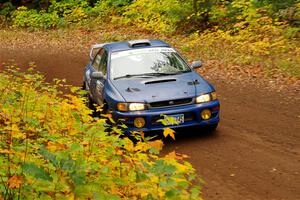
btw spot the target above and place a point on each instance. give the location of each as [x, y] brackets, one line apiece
[191, 114]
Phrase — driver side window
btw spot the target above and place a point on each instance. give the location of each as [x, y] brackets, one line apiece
[97, 59]
[103, 62]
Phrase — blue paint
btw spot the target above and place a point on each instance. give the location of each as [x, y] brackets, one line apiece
[170, 94]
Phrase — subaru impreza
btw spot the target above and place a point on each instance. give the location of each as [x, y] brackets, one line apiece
[148, 86]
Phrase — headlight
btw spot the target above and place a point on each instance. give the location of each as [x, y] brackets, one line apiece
[136, 106]
[206, 97]
[131, 106]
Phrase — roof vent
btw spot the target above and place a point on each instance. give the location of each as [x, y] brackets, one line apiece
[139, 43]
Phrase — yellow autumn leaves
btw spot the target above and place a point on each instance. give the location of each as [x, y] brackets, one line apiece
[51, 147]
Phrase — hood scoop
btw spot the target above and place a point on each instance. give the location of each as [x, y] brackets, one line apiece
[195, 82]
[129, 89]
[159, 81]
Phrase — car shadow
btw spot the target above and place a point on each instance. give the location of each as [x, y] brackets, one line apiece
[188, 139]
[191, 134]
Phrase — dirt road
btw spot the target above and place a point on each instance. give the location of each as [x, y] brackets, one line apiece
[255, 153]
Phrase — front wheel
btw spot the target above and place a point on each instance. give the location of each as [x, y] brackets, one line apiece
[89, 102]
[212, 128]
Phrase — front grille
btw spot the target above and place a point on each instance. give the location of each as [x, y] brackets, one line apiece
[170, 103]
[188, 116]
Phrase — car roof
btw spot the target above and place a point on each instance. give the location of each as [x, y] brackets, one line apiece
[134, 44]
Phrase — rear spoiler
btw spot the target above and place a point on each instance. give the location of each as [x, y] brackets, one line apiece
[94, 50]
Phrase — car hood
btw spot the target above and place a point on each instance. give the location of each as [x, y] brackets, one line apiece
[162, 88]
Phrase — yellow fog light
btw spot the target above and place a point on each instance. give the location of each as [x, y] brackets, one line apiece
[139, 122]
[205, 114]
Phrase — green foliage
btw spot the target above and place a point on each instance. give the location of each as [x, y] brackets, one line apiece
[73, 11]
[156, 16]
[59, 13]
[51, 148]
[6, 9]
[261, 44]
[257, 32]
[114, 4]
[23, 17]
[104, 10]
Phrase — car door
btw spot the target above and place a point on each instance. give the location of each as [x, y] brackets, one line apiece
[97, 85]
[100, 83]
[93, 83]
[89, 68]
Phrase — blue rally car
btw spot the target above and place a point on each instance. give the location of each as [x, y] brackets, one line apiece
[143, 81]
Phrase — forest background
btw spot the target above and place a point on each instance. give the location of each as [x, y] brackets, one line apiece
[249, 33]
[51, 149]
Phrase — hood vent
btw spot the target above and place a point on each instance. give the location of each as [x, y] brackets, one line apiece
[195, 82]
[129, 89]
[160, 81]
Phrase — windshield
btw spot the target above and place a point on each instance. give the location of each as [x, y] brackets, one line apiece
[149, 61]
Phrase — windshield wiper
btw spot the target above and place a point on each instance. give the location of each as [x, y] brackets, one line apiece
[131, 75]
[150, 74]
[166, 74]
[160, 74]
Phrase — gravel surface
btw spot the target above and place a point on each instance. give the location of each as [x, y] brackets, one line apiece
[255, 152]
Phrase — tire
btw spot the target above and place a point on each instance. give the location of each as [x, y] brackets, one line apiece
[89, 101]
[90, 104]
[212, 128]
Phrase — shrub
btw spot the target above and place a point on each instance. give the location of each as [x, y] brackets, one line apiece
[156, 16]
[58, 14]
[73, 11]
[261, 44]
[23, 17]
[51, 148]
[104, 10]
[6, 9]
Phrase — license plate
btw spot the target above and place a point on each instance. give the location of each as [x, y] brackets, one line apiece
[174, 119]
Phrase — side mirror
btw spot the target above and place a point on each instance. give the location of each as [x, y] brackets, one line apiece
[196, 64]
[97, 75]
